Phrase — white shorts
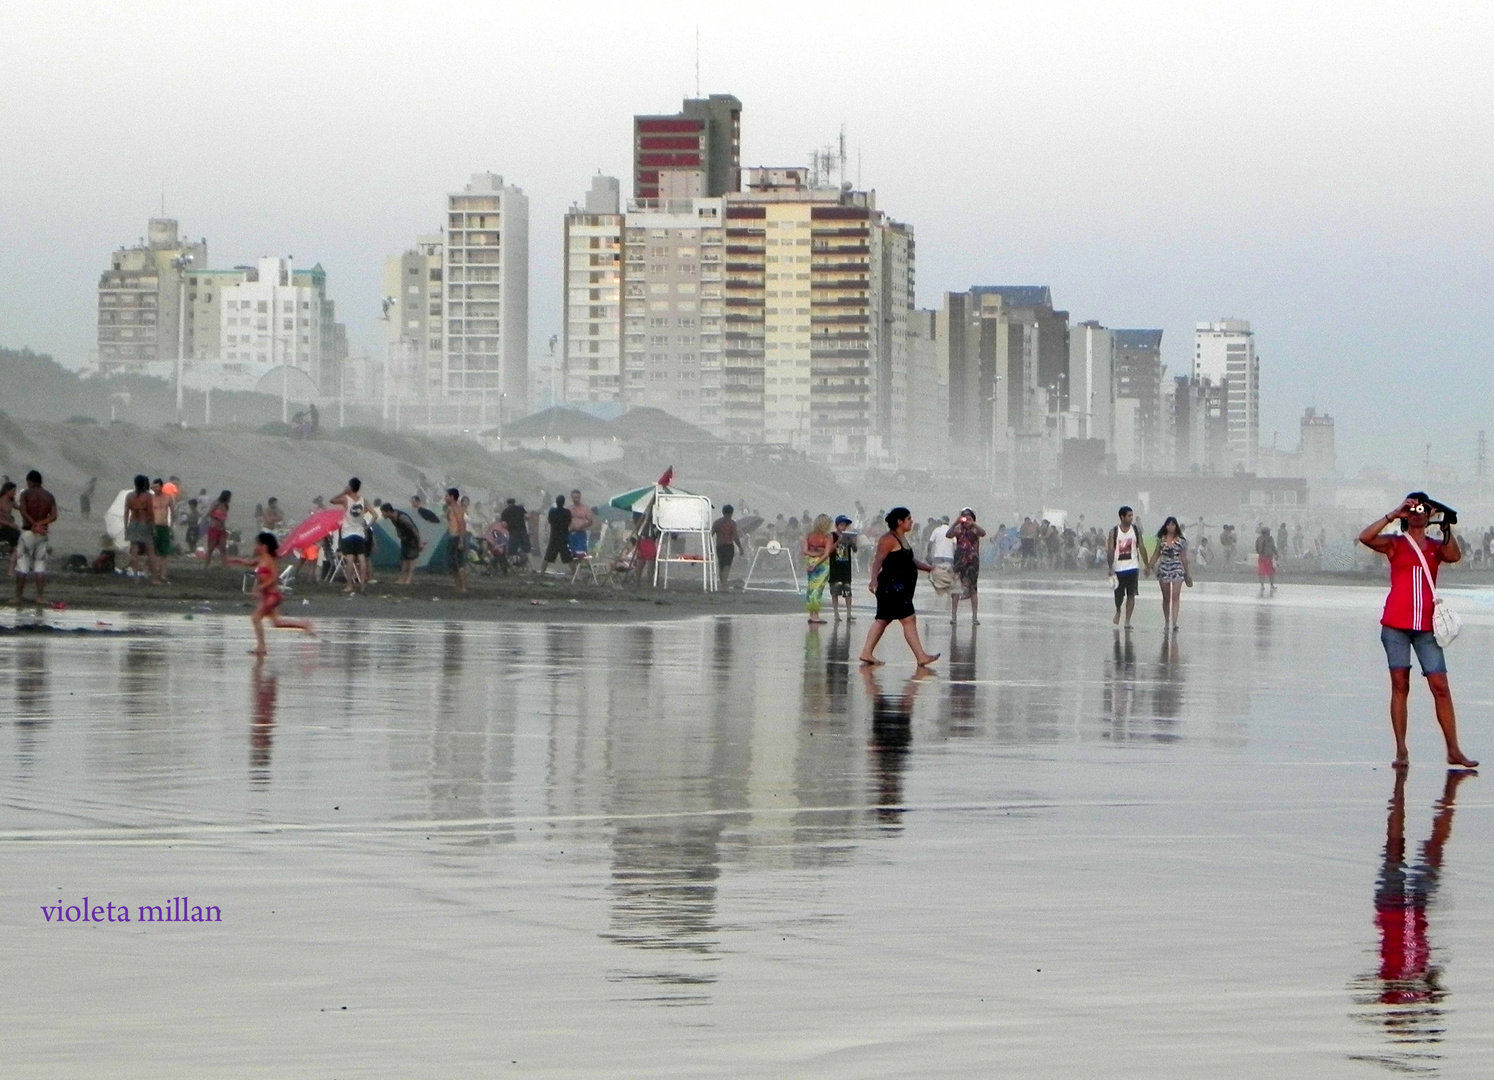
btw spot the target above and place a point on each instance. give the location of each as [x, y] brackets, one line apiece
[31, 556]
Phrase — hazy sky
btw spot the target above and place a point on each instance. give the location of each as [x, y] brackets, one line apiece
[1321, 169]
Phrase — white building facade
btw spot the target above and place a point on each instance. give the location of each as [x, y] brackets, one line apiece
[276, 314]
[591, 338]
[1091, 392]
[1224, 353]
[486, 293]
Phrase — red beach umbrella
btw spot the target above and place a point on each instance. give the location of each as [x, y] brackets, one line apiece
[312, 529]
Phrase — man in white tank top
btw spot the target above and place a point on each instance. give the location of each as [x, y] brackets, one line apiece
[1123, 547]
[353, 542]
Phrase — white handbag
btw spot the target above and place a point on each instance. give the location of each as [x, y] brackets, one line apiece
[1447, 624]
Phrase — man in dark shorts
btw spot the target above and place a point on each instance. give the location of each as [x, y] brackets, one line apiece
[140, 533]
[38, 510]
[161, 507]
[456, 537]
[409, 540]
[728, 542]
[842, 561]
[1125, 556]
[559, 547]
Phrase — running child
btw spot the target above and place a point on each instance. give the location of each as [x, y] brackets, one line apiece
[266, 568]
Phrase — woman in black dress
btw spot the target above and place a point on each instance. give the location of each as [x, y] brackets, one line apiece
[894, 576]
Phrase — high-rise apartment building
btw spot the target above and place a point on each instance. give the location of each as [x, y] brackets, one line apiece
[591, 337]
[1317, 454]
[1224, 353]
[695, 153]
[486, 296]
[1198, 424]
[277, 314]
[928, 396]
[141, 316]
[644, 303]
[1091, 389]
[672, 308]
[1139, 402]
[1008, 361]
[807, 307]
[1036, 372]
[414, 292]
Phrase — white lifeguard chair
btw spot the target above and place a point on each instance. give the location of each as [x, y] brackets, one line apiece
[777, 555]
[677, 514]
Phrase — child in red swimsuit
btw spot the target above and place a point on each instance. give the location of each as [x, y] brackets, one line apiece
[267, 587]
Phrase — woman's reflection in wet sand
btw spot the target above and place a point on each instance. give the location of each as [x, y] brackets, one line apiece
[891, 738]
[961, 721]
[266, 689]
[1167, 699]
[1405, 995]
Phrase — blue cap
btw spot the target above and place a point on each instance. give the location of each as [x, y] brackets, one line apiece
[843, 520]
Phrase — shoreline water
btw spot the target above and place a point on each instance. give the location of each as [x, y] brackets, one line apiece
[526, 596]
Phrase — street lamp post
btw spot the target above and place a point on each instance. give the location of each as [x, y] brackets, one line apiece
[181, 262]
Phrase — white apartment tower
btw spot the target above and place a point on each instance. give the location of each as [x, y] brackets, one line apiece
[277, 314]
[1091, 364]
[644, 303]
[486, 293]
[1224, 353]
[591, 338]
[673, 308]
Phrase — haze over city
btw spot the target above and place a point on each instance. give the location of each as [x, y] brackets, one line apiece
[1323, 172]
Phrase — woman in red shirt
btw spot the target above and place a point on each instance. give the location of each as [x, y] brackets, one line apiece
[1407, 621]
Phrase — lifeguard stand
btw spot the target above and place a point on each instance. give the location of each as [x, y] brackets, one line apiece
[677, 514]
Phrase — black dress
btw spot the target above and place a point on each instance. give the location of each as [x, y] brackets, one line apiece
[895, 584]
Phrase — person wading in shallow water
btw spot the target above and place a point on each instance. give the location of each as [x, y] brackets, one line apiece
[894, 576]
[1407, 621]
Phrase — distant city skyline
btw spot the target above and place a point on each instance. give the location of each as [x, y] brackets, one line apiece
[1323, 177]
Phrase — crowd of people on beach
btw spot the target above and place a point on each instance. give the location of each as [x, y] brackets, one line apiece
[338, 536]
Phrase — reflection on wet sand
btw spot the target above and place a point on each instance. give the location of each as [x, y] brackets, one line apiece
[960, 719]
[262, 726]
[1167, 700]
[891, 742]
[708, 805]
[1404, 997]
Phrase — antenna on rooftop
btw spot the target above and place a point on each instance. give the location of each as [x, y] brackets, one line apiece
[697, 59]
[1481, 461]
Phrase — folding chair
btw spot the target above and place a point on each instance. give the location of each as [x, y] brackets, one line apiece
[584, 562]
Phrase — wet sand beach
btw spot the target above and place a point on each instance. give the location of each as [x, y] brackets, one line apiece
[713, 847]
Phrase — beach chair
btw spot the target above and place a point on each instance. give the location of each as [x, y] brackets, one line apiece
[584, 563]
[287, 579]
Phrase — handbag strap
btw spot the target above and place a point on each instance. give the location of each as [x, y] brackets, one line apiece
[1431, 581]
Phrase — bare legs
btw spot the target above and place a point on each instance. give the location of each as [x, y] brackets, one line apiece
[1172, 598]
[257, 620]
[954, 606]
[1400, 690]
[910, 635]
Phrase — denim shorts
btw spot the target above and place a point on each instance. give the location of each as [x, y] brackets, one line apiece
[1399, 643]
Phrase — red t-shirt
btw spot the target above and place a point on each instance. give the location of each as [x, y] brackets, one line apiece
[1409, 605]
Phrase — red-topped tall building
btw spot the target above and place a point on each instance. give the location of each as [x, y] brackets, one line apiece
[694, 153]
